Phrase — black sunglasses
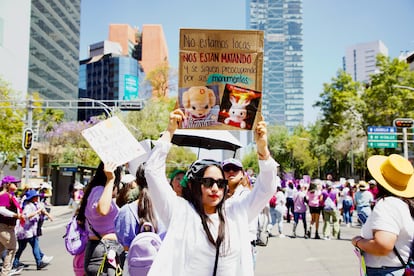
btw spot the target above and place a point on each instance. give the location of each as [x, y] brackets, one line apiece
[230, 167]
[208, 182]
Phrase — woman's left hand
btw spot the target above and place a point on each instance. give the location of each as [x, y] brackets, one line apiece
[260, 137]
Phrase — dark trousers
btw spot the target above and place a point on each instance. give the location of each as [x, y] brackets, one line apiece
[94, 255]
[289, 206]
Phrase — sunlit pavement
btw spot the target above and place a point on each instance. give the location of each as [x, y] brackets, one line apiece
[300, 256]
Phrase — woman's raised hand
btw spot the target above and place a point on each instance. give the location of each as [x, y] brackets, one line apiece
[176, 118]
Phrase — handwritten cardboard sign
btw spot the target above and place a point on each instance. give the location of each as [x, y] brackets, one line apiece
[220, 78]
[113, 142]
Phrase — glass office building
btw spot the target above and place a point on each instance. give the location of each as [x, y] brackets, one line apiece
[54, 50]
[107, 78]
[281, 21]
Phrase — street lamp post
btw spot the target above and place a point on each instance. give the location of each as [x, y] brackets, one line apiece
[403, 86]
[106, 108]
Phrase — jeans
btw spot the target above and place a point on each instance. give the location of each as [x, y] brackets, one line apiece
[346, 209]
[296, 219]
[363, 213]
[34, 243]
[276, 215]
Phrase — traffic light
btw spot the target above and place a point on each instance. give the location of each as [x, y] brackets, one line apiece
[27, 139]
[403, 122]
[22, 161]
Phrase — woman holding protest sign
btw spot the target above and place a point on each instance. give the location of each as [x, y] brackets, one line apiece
[207, 237]
[98, 210]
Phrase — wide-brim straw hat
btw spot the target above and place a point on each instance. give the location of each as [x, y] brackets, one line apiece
[363, 186]
[394, 173]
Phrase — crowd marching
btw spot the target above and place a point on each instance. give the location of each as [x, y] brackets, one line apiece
[209, 219]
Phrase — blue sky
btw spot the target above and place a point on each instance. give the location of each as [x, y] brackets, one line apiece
[329, 27]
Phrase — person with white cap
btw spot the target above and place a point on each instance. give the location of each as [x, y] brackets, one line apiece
[387, 235]
[129, 190]
[77, 196]
[238, 187]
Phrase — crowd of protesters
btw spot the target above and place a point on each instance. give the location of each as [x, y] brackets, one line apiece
[328, 201]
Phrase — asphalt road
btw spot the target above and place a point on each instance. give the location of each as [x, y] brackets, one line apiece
[282, 256]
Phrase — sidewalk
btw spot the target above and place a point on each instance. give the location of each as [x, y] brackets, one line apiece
[300, 256]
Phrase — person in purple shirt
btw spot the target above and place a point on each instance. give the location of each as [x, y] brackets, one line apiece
[98, 210]
[299, 203]
[330, 212]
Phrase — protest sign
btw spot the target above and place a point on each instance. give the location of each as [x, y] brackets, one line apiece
[113, 142]
[220, 78]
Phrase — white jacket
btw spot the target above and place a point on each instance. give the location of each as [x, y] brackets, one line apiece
[180, 253]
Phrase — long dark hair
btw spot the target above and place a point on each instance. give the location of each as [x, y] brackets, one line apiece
[193, 194]
[383, 193]
[99, 179]
[145, 209]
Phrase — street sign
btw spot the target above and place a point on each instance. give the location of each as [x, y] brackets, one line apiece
[382, 145]
[382, 137]
[382, 129]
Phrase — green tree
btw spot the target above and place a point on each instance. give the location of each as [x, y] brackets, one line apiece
[383, 101]
[302, 160]
[277, 140]
[11, 127]
[158, 78]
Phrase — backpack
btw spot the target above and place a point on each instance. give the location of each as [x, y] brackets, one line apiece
[329, 204]
[143, 250]
[76, 237]
[272, 201]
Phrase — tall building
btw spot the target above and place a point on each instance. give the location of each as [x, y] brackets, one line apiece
[54, 50]
[125, 35]
[154, 47]
[39, 47]
[108, 77]
[360, 59]
[281, 21]
[116, 69]
[14, 43]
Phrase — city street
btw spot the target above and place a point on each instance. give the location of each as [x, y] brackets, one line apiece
[283, 256]
[299, 256]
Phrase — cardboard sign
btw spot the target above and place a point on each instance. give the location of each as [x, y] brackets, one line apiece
[113, 142]
[220, 78]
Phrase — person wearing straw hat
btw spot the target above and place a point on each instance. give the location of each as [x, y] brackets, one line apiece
[387, 234]
[363, 201]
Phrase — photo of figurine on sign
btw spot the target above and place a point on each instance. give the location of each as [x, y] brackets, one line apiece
[239, 106]
[200, 105]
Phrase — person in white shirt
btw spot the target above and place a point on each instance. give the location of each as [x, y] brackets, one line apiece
[205, 236]
[387, 235]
